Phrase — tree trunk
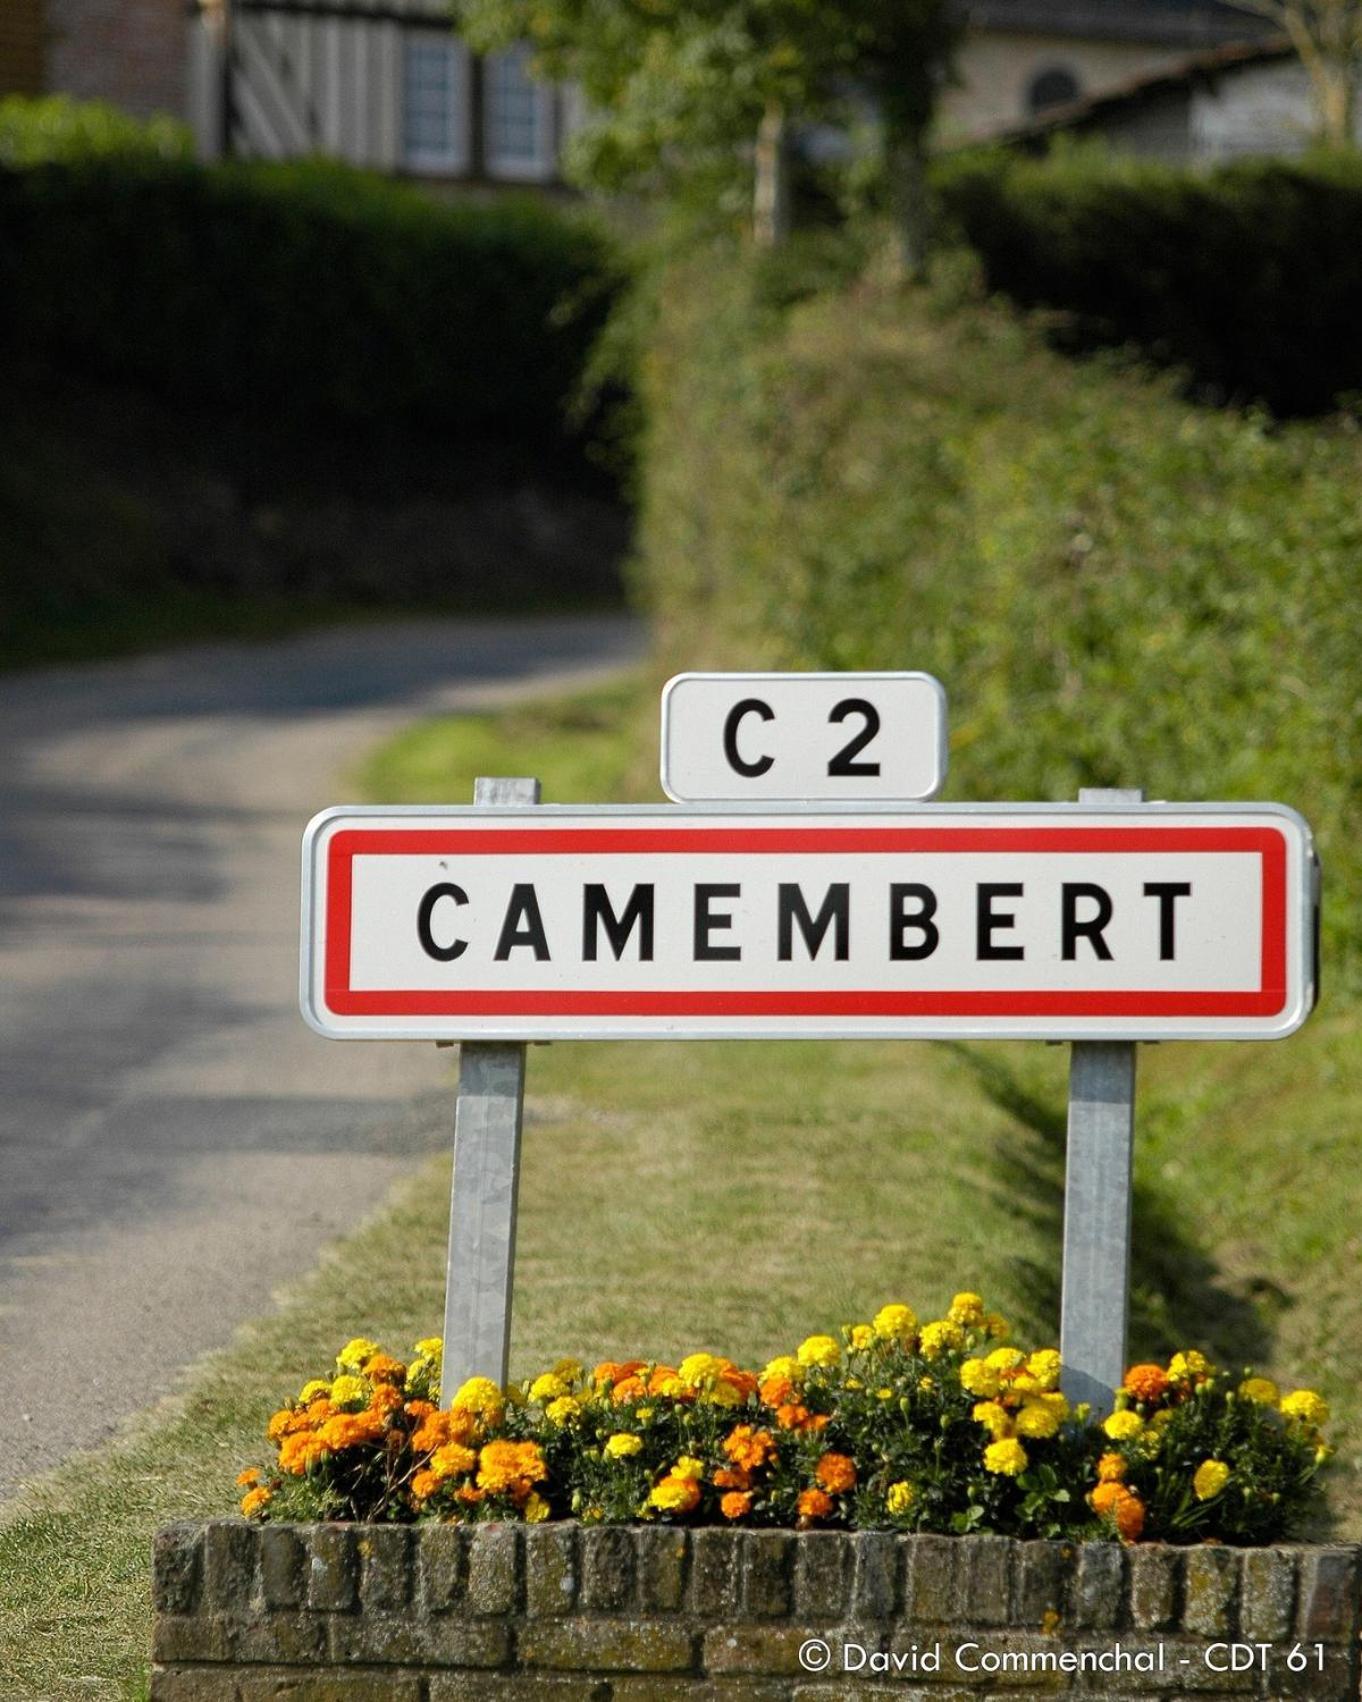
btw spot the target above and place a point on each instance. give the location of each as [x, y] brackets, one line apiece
[771, 189]
[908, 197]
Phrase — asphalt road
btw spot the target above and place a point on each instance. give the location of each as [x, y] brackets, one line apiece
[174, 1142]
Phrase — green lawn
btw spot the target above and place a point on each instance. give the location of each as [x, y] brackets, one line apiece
[735, 1197]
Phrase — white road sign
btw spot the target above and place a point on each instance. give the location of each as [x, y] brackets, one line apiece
[1141, 921]
[849, 737]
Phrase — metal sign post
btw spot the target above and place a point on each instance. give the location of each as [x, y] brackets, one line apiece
[482, 1208]
[1095, 1301]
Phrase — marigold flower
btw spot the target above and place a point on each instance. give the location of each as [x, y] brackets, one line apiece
[861, 1336]
[482, 1396]
[1146, 1382]
[689, 1466]
[895, 1323]
[383, 1368]
[310, 1391]
[300, 1451]
[1006, 1360]
[350, 1430]
[506, 1466]
[249, 1478]
[696, 1369]
[813, 1504]
[623, 1445]
[777, 1391]
[1006, 1458]
[900, 1498]
[629, 1389]
[1124, 1508]
[1188, 1367]
[737, 1504]
[1306, 1407]
[453, 1460]
[1037, 1420]
[547, 1388]
[255, 1502]
[995, 1419]
[348, 1392]
[818, 1350]
[675, 1495]
[429, 1347]
[424, 1484]
[1111, 1468]
[563, 1410]
[940, 1336]
[836, 1473]
[732, 1477]
[352, 1356]
[1209, 1479]
[997, 1326]
[665, 1380]
[784, 1365]
[535, 1510]
[979, 1378]
[278, 1426]
[386, 1398]
[1260, 1389]
[748, 1447]
[743, 1384]
[967, 1309]
[1124, 1426]
[1045, 1366]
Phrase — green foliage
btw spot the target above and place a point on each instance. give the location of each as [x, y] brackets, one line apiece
[55, 127]
[1117, 588]
[310, 294]
[1247, 276]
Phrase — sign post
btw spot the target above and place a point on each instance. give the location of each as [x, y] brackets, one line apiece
[488, 1114]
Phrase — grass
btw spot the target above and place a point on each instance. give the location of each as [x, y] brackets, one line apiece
[735, 1196]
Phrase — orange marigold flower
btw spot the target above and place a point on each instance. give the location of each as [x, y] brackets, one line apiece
[816, 1421]
[776, 1391]
[383, 1368]
[630, 1389]
[749, 1448]
[318, 1411]
[792, 1416]
[255, 1502]
[743, 1383]
[386, 1398]
[278, 1426]
[664, 1380]
[453, 1460]
[1111, 1468]
[737, 1504]
[615, 1371]
[467, 1493]
[419, 1409]
[814, 1504]
[424, 1485]
[301, 1450]
[1125, 1509]
[249, 1478]
[836, 1473]
[1146, 1382]
[732, 1477]
[504, 1465]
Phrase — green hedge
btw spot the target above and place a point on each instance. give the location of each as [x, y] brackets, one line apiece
[308, 294]
[1115, 586]
[1248, 276]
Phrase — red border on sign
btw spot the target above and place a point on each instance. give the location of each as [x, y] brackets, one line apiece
[1268, 999]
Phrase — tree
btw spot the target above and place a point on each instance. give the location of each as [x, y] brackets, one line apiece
[687, 89]
[1327, 34]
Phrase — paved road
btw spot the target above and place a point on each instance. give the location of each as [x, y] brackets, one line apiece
[174, 1143]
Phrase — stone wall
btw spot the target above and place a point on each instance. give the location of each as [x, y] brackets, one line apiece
[336, 1613]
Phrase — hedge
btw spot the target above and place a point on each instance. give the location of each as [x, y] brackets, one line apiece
[1116, 587]
[1247, 276]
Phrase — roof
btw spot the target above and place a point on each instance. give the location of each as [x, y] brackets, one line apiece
[1170, 23]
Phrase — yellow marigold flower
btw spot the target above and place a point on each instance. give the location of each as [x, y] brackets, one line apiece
[480, 1394]
[255, 1502]
[895, 1323]
[623, 1445]
[535, 1508]
[644, 1414]
[570, 1370]
[1006, 1458]
[1006, 1359]
[675, 1495]
[429, 1347]
[697, 1368]
[310, 1391]
[689, 1466]
[940, 1336]
[1124, 1426]
[1306, 1407]
[994, 1418]
[453, 1460]
[900, 1498]
[926, 1384]
[818, 1350]
[787, 1366]
[1260, 1389]
[1056, 1402]
[1037, 1420]
[1183, 1367]
[978, 1378]
[997, 1326]
[349, 1391]
[1161, 1419]
[249, 1478]
[355, 1352]
[1111, 1468]
[884, 1394]
[566, 1407]
[862, 1337]
[967, 1309]
[1210, 1478]
[671, 1387]
[723, 1394]
[1045, 1367]
[547, 1388]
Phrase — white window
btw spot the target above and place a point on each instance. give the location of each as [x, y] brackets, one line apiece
[435, 127]
[518, 121]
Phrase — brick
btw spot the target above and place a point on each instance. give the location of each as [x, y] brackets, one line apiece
[1329, 1595]
[767, 1562]
[1332, 1677]
[329, 1686]
[822, 1567]
[1022, 1647]
[608, 1645]
[332, 1576]
[607, 1553]
[282, 1639]
[713, 1573]
[283, 1566]
[494, 1569]
[1098, 1586]
[1041, 1574]
[875, 1575]
[455, 1642]
[442, 1566]
[229, 1555]
[930, 1596]
[1210, 1591]
[176, 1568]
[179, 1638]
[550, 1569]
[192, 1684]
[520, 1687]
[409, 1639]
[1155, 1573]
[730, 1689]
[770, 1651]
[988, 1580]
[1267, 1600]
[385, 1567]
[660, 1556]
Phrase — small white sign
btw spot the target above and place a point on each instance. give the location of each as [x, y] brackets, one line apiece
[1023, 921]
[794, 736]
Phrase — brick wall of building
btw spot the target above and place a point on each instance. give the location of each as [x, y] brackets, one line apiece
[441, 1613]
[22, 29]
[130, 52]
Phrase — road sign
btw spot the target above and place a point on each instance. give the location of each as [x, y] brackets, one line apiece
[1024, 921]
[851, 737]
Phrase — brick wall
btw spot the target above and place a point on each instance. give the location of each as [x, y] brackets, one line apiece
[441, 1613]
[130, 52]
[22, 30]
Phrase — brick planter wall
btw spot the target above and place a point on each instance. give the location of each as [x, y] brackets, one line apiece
[336, 1613]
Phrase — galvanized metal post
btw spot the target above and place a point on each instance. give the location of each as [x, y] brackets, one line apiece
[482, 1207]
[1095, 1299]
